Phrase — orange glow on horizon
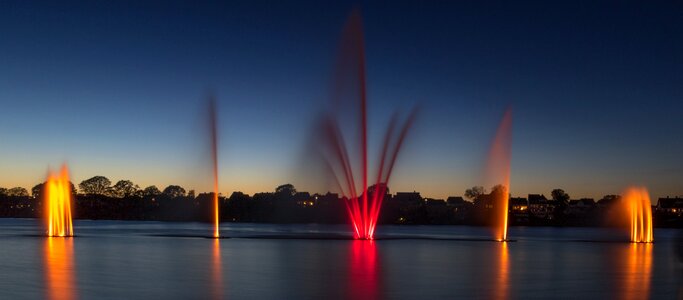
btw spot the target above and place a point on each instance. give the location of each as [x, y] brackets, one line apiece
[59, 265]
[58, 204]
[638, 206]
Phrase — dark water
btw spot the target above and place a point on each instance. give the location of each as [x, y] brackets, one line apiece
[137, 260]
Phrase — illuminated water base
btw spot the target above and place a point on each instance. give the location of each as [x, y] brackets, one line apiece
[364, 205]
[214, 156]
[498, 171]
[638, 206]
[58, 203]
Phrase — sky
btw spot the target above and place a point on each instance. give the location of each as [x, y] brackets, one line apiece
[118, 89]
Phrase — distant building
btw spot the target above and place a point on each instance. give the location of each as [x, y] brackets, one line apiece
[408, 198]
[519, 209]
[455, 201]
[670, 206]
[539, 207]
[580, 206]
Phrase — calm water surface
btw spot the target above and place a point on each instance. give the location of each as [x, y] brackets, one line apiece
[137, 260]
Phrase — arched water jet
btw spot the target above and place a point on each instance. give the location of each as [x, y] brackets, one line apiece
[363, 206]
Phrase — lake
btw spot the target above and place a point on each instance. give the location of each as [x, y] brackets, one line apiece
[158, 260]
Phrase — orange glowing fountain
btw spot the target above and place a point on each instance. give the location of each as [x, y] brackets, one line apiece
[498, 171]
[214, 156]
[58, 200]
[638, 206]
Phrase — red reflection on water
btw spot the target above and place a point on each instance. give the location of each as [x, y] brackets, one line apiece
[502, 279]
[216, 271]
[637, 258]
[363, 279]
[59, 268]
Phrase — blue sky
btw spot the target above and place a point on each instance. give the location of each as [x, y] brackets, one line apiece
[117, 89]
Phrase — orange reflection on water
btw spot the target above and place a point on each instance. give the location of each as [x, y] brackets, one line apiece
[638, 267]
[502, 279]
[216, 271]
[363, 278]
[59, 265]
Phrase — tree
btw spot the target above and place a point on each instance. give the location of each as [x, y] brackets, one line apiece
[124, 188]
[286, 189]
[560, 196]
[17, 192]
[498, 189]
[174, 191]
[3, 192]
[474, 192]
[151, 190]
[98, 185]
[37, 190]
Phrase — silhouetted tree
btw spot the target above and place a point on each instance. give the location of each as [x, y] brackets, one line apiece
[124, 188]
[151, 190]
[286, 189]
[174, 191]
[37, 190]
[191, 194]
[17, 192]
[475, 192]
[560, 196]
[3, 192]
[98, 185]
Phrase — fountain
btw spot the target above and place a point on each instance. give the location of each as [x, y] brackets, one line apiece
[363, 207]
[58, 203]
[498, 171]
[214, 158]
[638, 206]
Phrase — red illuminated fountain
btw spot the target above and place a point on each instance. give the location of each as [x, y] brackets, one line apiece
[363, 204]
[636, 201]
[498, 172]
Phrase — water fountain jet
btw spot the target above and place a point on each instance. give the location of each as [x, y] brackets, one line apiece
[363, 206]
[58, 204]
[498, 171]
[638, 207]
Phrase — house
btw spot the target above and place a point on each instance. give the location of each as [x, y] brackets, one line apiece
[670, 206]
[539, 207]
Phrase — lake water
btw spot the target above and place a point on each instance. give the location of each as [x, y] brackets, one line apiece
[154, 260]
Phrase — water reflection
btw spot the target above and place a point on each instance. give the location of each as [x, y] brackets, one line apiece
[216, 271]
[60, 271]
[363, 278]
[502, 266]
[637, 258]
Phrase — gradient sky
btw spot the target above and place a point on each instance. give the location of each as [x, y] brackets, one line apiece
[118, 88]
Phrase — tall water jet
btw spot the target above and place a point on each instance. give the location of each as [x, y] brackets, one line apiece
[363, 205]
[58, 204]
[214, 159]
[498, 172]
[638, 206]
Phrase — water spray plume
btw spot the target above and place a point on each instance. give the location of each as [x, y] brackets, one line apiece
[639, 209]
[498, 170]
[58, 203]
[363, 207]
[214, 160]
